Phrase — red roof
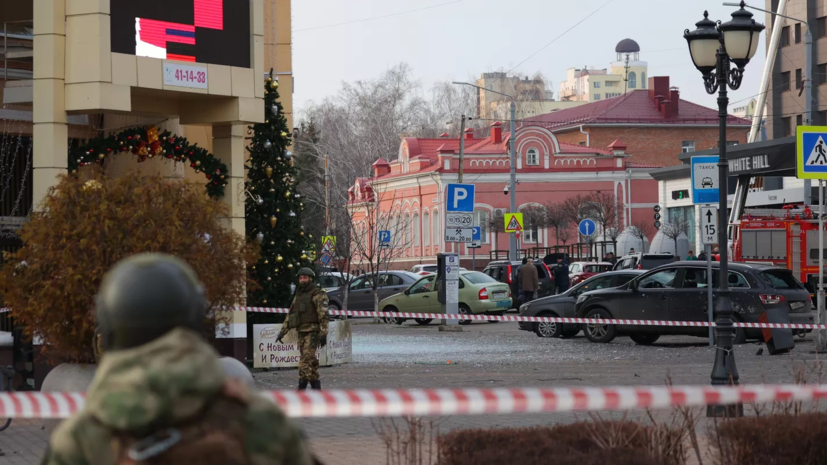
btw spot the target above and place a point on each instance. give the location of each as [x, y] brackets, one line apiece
[634, 107]
[571, 148]
[617, 145]
[429, 147]
[381, 162]
[641, 165]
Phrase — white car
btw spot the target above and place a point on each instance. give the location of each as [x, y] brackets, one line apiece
[426, 269]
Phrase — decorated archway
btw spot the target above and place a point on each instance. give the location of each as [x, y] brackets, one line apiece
[147, 142]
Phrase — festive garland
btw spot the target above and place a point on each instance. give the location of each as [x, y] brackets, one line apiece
[146, 142]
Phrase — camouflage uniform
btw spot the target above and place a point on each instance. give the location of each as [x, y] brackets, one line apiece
[308, 315]
[171, 382]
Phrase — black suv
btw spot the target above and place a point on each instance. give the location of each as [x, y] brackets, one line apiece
[678, 292]
[643, 261]
[508, 272]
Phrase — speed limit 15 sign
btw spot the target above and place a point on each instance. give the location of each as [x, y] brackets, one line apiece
[709, 225]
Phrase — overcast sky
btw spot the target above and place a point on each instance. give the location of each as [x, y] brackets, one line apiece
[453, 40]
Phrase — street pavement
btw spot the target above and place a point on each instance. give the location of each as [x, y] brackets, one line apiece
[483, 355]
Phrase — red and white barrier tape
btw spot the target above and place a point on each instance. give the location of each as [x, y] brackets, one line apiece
[390, 402]
[539, 319]
[531, 319]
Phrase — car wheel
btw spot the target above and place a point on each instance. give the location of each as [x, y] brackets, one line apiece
[569, 331]
[546, 328]
[423, 321]
[390, 319]
[464, 310]
[644, 339]
[600, 333]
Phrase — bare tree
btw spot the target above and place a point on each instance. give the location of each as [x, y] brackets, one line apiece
[534, 218]
[497, 226]
[370, 254]
[557, 220]
[674, 229]
[604, 208]
[641, 230]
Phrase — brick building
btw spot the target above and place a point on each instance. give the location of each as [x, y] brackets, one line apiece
[406, 195]
[654, 123]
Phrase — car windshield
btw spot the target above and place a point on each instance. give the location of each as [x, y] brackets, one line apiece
[475, 277]
[780, 279]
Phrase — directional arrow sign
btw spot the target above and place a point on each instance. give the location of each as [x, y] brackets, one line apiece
[709, 226]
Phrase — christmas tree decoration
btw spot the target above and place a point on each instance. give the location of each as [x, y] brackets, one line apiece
[146, 143]
[278, 216]
[288, 154]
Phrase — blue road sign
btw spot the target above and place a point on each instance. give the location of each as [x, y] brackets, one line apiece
[586, 227]
[384, 237]
[476, 235]
[705, 179]
[811, 152]
[460, 198]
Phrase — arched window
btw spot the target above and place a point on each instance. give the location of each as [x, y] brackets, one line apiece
[632, 80]
[642, 80]
[407, 228]
[435, 218]
[532, 157]
[426, 229]
[533, 219]
[416, 242]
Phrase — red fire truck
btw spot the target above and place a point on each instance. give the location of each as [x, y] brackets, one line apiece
[785, 237]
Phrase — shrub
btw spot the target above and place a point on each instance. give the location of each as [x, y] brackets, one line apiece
[87, 226]
[584, 443]
[772, 440]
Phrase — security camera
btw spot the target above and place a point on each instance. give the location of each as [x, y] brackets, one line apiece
[505, 189]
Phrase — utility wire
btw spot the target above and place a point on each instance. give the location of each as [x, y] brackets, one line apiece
[561, 35]
[377, 17]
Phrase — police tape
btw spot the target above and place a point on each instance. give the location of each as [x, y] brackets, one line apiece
[532, 319]
[538, 319]
[440, 402]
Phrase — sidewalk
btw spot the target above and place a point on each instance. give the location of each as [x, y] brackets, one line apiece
[23, 443]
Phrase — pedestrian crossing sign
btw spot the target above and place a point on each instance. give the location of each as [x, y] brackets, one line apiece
[811, 152]
[513, 222]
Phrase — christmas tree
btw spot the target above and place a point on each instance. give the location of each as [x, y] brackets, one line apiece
[274, 206]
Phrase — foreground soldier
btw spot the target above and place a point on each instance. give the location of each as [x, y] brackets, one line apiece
[159, 395]
[308, 315]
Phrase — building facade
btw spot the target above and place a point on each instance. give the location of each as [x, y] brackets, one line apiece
[407, 195]
[625, 74]
[654, 123]
[532, 97]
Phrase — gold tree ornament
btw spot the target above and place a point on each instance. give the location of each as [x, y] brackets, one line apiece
[290, 266]
[304, 256]
[283, 134]
[273, 221]
[279, 258]
[268, 171]
[274, 84]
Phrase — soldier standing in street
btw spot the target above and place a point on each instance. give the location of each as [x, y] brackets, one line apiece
[160, 394]
[308, 316]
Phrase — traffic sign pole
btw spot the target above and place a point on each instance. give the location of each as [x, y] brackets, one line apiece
[820, 295]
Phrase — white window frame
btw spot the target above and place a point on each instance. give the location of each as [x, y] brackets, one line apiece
[597, 84]
[426, 229]
[481, 218]
[435, 219]
[632, 80]
[535, 158]
[597, 96]
[687, 146]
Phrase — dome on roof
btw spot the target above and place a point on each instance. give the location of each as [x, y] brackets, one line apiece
[627, 46]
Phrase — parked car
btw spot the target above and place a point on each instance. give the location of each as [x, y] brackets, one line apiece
[644, 261]
[508, 272]
[678, 292]
[360, 294]
[562, 305]
[478, 294]
[581, 271]
[426, 269]
[332, 280]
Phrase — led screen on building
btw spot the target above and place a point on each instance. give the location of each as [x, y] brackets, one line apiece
[203, 31]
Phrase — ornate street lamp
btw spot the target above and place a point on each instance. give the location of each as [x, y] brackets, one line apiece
[713, 47]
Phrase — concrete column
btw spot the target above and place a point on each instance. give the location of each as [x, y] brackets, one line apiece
[50, 131]
[228, 146]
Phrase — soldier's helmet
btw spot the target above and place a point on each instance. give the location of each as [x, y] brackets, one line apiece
[305, 271]
[145, 296]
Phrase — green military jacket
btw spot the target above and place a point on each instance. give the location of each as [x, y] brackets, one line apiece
[166, 382]
[319, 302]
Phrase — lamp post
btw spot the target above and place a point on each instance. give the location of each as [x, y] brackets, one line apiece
[712, 48]
[512, 183]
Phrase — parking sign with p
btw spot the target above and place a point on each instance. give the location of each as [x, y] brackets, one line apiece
[460, 198]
